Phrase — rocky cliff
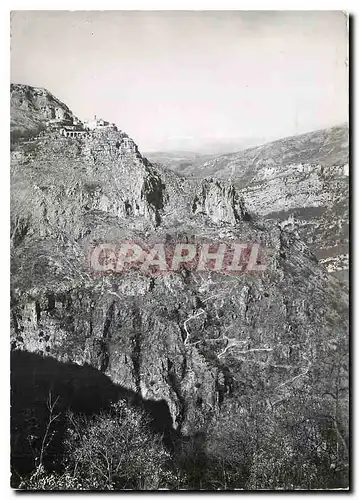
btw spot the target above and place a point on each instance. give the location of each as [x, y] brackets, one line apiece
[32, 107]
[195, 340]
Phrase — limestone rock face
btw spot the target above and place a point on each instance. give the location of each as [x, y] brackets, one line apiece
[102, 173]
[192, 339]
[316, 197]
[219, 201]
[167, 338]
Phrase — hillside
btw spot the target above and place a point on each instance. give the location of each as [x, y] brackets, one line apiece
[305, 177]
[324, 147]
[222, 354]
[178, 161]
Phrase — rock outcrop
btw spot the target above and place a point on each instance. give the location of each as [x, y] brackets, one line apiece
[219, 201]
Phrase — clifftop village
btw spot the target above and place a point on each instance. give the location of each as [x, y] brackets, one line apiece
[72, 127]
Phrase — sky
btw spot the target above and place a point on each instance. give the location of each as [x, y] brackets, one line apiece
[186, 79]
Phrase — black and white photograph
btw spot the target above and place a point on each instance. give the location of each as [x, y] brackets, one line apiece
[179, 250]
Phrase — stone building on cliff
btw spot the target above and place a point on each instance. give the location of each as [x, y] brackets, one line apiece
[99, 123]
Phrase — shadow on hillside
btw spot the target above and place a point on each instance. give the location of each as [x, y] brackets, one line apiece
[82, 389]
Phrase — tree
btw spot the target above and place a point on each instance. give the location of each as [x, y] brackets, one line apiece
[115, 450]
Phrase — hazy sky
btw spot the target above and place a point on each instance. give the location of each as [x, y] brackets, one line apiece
[179, 79]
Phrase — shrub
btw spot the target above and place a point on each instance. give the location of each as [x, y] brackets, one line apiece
[42, 480]
[116, 450]
[26, 134]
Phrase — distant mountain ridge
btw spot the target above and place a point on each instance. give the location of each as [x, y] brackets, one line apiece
[326, 147]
